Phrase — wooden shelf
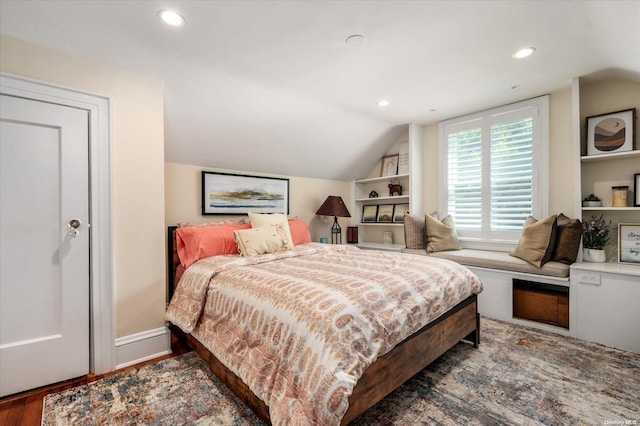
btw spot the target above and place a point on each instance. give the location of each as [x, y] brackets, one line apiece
[613, 156]
[610, 209]
[375, 200]
[378, 224]
[380, 179]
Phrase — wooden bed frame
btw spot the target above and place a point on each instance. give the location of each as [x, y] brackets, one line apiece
[382, 377]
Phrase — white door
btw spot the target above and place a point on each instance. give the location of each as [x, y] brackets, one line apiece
[44, 263]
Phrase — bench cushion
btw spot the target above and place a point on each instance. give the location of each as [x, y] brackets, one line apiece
[497, 260]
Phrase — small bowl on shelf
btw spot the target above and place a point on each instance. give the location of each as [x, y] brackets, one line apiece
[591, 203]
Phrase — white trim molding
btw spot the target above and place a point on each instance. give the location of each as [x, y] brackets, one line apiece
[143, 346]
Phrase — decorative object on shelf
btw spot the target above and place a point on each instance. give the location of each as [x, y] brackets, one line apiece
[591, 201]
[619, 196]
[395, 189]
[369, 214]
[612, 132]
[387, 238]
[324, 240]
[594, 238]
[225, 193]
[636, 190]
[334, 206]
[403, 161]
[373, 194]
[389, 165]
[398, 212]
[593, 255]
[629, 243]
[385, 213]
[352, 235]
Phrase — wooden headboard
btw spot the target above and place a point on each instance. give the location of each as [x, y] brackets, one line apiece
[172, 260]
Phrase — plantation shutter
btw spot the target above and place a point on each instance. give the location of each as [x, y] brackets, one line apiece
[464, 168]
[511, 173]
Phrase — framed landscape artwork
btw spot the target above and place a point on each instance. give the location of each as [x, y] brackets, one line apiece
[369, 214]
[398, 212]
[231, 194]
[385, 213]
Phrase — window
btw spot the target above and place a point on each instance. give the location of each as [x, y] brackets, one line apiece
[495, 171]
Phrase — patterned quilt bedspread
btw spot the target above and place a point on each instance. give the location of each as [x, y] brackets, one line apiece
[300, 327]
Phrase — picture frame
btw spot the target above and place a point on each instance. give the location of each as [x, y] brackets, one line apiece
[612, 132]
[385, 213]
[398, 212]
[389, 165]
[636, 190]
[369, 214]
[629, 243]
[233, 194]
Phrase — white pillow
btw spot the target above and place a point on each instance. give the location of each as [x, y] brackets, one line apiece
[264, 219]
[261, 240]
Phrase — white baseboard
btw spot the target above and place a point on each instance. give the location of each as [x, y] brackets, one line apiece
[142, 346]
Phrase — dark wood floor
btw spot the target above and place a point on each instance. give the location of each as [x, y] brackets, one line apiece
[25, 409]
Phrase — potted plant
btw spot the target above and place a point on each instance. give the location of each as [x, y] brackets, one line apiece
[594, 238]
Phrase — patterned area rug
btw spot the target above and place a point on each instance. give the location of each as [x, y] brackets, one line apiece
[518, 376]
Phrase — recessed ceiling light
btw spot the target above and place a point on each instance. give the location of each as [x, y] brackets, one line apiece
[383, 103]
[523, 53]
[171, 17]
[356, 40]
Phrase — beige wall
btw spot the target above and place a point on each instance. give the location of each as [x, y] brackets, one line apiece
[137, 171]
[183, 194]
[560, 158]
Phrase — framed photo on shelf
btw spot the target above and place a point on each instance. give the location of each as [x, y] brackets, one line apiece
[369, 214]
[389, 165]
[385, 213]
[224, 193]
[636, 190]
[612, 132]
[629, 243]
[398, 212]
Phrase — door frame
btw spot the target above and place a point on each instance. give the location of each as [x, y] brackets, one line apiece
[101, 321]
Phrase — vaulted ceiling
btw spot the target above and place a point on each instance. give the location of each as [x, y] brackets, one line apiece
[273, 86]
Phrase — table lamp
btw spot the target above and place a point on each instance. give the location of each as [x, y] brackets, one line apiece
[334, 206]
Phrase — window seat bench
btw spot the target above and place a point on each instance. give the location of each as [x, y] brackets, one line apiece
[497, 260]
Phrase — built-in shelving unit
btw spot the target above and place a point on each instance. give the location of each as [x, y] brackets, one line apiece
[603, 295]
[598, 174]
[370, 234]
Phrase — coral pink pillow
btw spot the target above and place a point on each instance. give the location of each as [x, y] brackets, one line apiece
[197, 242]
[299, 232]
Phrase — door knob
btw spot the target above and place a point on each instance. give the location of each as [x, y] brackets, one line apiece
[74, 227]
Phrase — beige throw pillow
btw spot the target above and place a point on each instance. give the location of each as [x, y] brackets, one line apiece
[261, 240]
[264, 219]
[537, 240]
[441, 235]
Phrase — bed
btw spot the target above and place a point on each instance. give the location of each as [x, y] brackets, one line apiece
[294, 367]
